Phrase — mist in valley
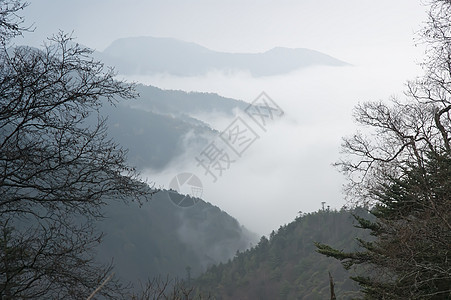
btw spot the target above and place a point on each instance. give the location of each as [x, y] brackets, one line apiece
[198, 68]
[289, 168]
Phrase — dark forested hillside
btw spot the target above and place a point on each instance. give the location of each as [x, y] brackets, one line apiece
[180, 102]
[161, 124]
[286, 266]
[160, 238]
[153, 139]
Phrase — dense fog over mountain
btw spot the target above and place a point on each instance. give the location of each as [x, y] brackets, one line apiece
[285, 170]
[217, 159]
[289, 169]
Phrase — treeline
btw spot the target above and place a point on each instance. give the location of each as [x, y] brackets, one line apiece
[286, 265]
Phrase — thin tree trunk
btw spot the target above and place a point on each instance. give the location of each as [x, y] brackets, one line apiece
[332, 291]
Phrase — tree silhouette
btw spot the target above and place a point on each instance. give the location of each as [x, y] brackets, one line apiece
[402, 173]
[57, 165]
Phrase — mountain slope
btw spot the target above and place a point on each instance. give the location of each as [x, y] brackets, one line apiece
[152, 139]
[161, 238]
[160, 125]
[184, 103]
[151, 55]
[287, 266]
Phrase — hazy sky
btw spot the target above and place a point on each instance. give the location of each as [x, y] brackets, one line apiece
[344, 29]
[289, 169]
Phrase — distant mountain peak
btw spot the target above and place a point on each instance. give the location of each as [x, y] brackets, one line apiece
[153, 55]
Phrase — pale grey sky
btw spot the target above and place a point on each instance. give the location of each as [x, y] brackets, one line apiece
[344, 29]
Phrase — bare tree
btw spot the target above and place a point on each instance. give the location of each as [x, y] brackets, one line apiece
[168, 289]
[403, 133]
[11, 23]
[401, 169]
[57, 165]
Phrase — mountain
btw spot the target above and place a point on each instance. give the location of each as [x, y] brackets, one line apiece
[176, 102]
[161, 125]
[286, 266]
[153, 140]
[160, 238]
[151, 55]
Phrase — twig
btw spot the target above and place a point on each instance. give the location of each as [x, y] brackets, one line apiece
[100, 286]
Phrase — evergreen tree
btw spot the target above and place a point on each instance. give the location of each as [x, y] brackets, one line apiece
[409, 258]
[402, 174]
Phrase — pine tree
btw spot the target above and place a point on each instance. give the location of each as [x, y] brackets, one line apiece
[409, 258]
[402, 174]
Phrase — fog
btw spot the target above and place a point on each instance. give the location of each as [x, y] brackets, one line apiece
[288, 169]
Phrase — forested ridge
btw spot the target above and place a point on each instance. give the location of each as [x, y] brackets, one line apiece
[286, 265]
[160, 238]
